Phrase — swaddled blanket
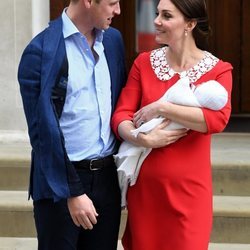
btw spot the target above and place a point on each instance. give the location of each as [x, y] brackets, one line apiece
[211, 95]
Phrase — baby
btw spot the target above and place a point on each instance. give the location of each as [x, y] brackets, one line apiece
[211, 95]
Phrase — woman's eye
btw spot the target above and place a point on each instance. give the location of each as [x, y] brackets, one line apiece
[163, 15]
[167, 16]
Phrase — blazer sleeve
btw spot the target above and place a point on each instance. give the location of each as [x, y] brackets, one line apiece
[29, 81]
[44, 133]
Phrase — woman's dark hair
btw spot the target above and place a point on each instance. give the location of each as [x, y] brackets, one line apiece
[196, 10]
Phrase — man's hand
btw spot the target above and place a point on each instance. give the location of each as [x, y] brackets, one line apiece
[82, 211]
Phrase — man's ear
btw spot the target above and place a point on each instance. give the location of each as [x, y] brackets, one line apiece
[87, 3]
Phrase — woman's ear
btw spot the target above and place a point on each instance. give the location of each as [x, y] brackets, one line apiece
[191, 24]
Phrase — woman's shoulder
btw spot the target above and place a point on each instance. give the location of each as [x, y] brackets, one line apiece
[158, 52]
[147, 59]
[143, 55]
[224, 65]
[221, 64]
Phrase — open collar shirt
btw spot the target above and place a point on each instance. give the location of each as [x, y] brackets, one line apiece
[85, 120]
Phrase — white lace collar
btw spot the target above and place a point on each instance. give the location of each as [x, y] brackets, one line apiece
[164, 72]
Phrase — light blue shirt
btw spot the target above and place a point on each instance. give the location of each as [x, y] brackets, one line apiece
[85, 120]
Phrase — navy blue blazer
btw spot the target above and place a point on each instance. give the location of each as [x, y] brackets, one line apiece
[52, 174]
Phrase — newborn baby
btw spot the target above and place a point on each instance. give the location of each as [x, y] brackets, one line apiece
[211, 95]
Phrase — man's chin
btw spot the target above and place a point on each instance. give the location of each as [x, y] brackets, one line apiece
[106, 27]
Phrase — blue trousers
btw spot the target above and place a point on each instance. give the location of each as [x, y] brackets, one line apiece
[56, 230]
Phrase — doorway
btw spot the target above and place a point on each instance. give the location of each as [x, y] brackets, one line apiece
[230, 41]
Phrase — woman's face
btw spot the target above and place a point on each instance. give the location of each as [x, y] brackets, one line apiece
[170, 24]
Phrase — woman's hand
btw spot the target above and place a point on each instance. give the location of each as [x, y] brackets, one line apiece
[158, 137]
[190, 117]
[147, 113]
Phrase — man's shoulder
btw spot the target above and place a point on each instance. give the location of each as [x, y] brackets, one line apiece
[54, 27]
[113, 33]
[112, 30]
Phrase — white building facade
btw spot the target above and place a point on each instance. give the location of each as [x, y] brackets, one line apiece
[20, 20]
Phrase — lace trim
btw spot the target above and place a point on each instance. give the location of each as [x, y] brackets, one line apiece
[164, 72]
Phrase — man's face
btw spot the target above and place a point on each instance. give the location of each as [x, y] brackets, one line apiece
[103, 12]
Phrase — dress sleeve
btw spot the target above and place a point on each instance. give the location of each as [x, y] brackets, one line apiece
[130, 98]
[217, 120]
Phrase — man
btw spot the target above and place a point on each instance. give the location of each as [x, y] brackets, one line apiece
[70, 77]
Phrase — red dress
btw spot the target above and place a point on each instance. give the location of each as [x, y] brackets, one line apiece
[170, 206]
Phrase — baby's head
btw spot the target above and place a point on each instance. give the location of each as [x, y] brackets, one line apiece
[211, 95]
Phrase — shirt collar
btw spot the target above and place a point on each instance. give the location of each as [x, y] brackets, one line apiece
[68, 26]
[70, 29]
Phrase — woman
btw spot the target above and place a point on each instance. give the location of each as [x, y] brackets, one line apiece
[170, 206]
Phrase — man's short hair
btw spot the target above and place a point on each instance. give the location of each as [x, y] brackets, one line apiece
[75, 1]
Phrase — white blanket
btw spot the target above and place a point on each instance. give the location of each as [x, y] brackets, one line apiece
[211, 95]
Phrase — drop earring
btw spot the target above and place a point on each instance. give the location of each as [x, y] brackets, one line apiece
[185, 32]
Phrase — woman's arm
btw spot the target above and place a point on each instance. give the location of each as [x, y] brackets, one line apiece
[199, 119]
[129, 102]
[189, 117]
[156, 138]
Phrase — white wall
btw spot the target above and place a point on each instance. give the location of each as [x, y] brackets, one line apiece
[19, 21]
[40, 15]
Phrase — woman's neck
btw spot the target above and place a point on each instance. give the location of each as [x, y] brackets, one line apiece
[183, 59]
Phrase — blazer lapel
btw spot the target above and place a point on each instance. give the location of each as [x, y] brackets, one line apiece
[53, 50]
[107, 42]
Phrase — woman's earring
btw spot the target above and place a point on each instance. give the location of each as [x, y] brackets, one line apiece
[185, 32]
